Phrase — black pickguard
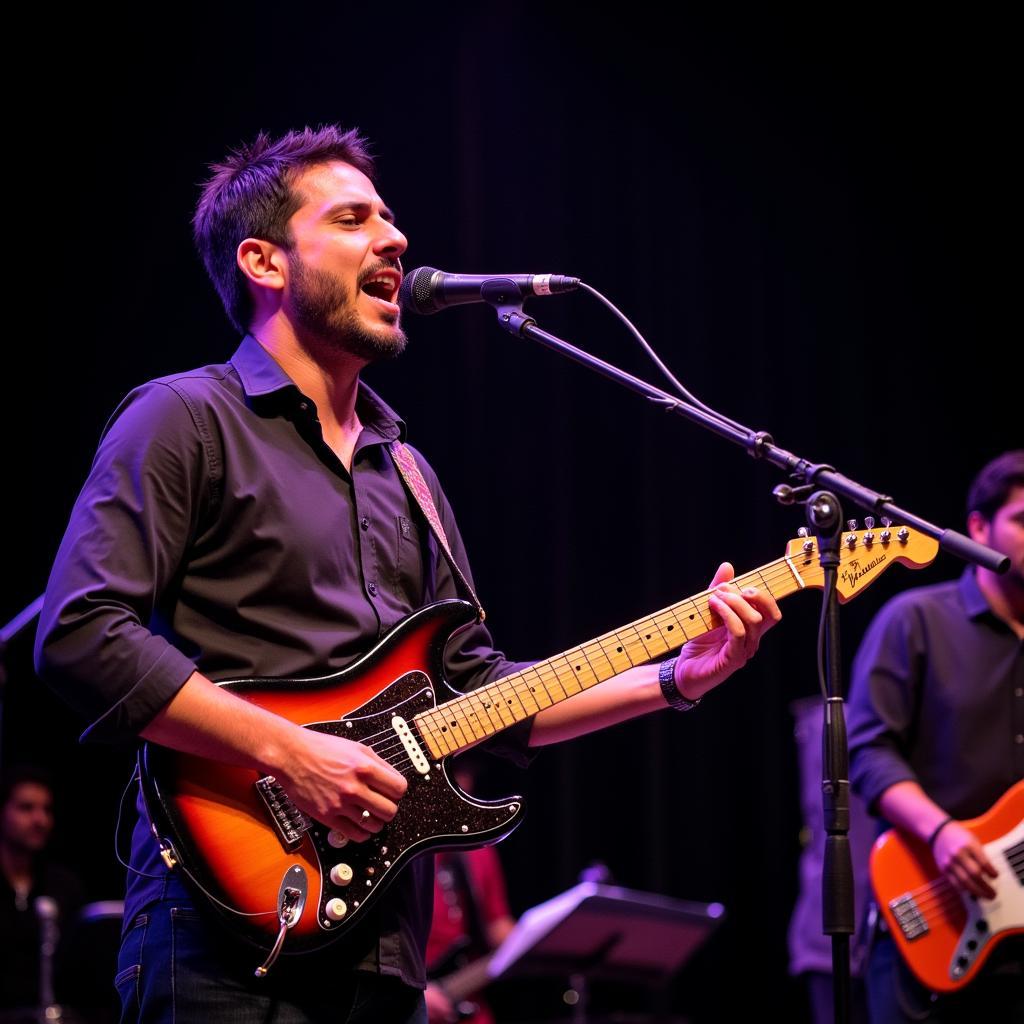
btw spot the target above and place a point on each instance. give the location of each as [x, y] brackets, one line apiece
[435, 813]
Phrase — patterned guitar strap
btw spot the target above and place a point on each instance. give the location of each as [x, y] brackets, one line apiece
[405, 463]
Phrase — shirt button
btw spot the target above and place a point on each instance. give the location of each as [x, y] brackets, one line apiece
[1019, 738]
[364, 523]
[1019, 692]
[372, 588]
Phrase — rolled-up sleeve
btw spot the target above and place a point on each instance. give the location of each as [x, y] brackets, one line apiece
[128, 533]
[885, 683]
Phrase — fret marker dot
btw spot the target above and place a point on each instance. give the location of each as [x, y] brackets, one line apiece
[618, 650]
[648, 636]
[670, 628]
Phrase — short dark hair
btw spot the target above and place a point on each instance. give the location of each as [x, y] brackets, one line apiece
[991, 488]
[250, 195]
[18, 775]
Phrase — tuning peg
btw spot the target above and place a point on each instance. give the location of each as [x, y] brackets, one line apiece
[869, 522]
[886, 522]
[851, 524]
[803, 532]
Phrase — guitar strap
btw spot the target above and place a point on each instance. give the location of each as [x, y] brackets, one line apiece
[405, 463]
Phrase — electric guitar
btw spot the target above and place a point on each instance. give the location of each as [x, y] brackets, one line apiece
[272, 872]
[461, 975]
[944, 934]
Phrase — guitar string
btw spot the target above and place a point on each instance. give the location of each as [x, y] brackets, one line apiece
[929, 887]
[941, 898]
[942, 893]
[547, 674]
[770, 574]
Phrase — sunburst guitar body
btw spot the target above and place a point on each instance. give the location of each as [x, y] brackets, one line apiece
[275, 875]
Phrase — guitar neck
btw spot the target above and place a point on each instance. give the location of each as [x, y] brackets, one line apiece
[459, 723]
[461, 984]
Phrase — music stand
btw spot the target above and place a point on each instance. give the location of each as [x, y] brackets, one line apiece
[594, 931]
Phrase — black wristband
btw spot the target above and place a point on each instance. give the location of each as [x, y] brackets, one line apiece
[935, 831]
[669, 690]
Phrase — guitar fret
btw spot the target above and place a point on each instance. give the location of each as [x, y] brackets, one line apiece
[604, 654]
[504, 702]
[437, 733]
[462, 711]
[489, 707]
[570, 673]
[471, 714]
[557, 679]
[584, 684]
[452, 721]
[506, 689]
[764, 582]
[704, 614]
[666, 626]
[542, 686]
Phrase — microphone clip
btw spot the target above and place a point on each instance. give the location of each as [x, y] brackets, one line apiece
[507, 299]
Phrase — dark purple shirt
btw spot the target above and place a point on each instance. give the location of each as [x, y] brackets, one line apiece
[218, 531]
[938, 698]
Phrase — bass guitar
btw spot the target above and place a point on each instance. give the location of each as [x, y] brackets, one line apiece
[944, 934]
[272, 872]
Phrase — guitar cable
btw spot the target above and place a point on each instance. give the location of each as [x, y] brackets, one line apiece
[136, 777]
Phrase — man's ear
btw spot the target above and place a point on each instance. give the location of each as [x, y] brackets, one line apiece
[978, 527]
[262, 262]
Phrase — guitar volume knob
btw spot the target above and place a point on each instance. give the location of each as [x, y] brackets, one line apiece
[336, 839]
[341, 874]
[335, 909]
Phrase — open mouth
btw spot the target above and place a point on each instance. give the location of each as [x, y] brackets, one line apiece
[383, 286]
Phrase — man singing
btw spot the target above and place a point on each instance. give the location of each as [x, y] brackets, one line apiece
[248, 519]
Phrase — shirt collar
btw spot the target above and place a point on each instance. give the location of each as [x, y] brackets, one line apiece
[262, 377]
[971, 595]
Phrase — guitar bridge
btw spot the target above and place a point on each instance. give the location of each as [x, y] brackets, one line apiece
[908, 916]
[289, 822]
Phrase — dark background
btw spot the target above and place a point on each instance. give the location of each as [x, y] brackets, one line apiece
[816, 222]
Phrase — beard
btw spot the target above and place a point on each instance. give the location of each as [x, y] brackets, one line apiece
[326, 310]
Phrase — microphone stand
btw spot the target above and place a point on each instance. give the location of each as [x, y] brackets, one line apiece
[818, 487]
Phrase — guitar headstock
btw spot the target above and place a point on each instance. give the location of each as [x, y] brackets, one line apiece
[863, 556]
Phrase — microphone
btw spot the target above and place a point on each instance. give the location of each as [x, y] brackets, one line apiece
[47, 914]
[426, 290]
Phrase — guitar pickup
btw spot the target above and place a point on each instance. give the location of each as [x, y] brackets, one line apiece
[909, 917]
[412, 748]
[289, 822]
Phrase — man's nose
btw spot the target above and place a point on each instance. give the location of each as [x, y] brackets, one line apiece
[391, 242]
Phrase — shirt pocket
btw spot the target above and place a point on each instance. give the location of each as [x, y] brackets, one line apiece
[408, 581]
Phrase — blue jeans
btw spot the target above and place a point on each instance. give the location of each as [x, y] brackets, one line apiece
[173, 970]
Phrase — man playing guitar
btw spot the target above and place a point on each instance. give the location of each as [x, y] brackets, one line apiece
[248, 519]
[937, 736]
